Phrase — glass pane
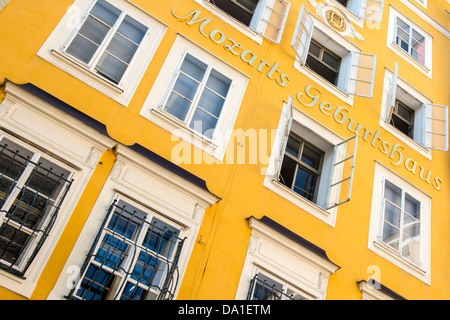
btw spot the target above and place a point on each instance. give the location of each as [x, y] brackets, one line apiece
[29, 209]
[211, 102]
[305, 184]
[126, 220]
[111, 68]
[411, 249]
[287, 171]
[391, 235]
[122, 48]
[293, 146]
[132, 29]
[161, 238]
[405, 113]
[133, 292]
[194, 67]
[332, 61]
[311, 157]
[314, 49]
[112, 252]
[82, 49]
[145, 268]
[266, 288]
[186, 87]
[96, 284]
[105, 12]
[177, 106]
[203, 122]
[12, 243]
[392, 214]
[411, 226]
[412, 206]
[393, 193]
[94, 30]
[219, 83]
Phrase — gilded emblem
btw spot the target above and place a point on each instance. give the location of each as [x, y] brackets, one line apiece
[335, 20]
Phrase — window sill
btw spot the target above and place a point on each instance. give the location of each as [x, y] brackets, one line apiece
[327, 216]
[82, 70]
[421, 67]
[407, 140]
[393, 256]
[244, 29]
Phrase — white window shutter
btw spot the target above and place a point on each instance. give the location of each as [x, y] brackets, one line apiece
[270, 19]
[361, 74]
[342, 172]
[392, 92]
[284, 129]
[436, 127]
[371, 10]
[302, 34]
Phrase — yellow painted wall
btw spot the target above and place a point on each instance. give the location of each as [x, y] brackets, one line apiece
[216, 262]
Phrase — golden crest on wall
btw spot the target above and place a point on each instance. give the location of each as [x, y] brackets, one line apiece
[336, 19]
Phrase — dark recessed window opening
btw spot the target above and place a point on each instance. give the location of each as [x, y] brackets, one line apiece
[403, 118]
[241, 10]
[323, 62]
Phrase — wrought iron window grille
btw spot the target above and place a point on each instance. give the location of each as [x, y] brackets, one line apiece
[260, 290]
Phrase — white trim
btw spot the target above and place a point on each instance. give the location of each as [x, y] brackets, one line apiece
[422, 272]
[370, 292]
[61, 137]
[52, 50]
[268, 250]
[151, 107]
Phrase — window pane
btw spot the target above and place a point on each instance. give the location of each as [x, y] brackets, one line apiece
[96, 284]
[211, 102]
[266, 288]
[145, 268]
[311, 157]
[133, 292]
[405, 113]
[105, 12]
[122, 48]
[177, 106]
[82, 49]
[132, 29]
[186, 87]
[293, 146]
[112, 251]
[305, 183]
[203, 122]
[219, 83]
[331, 60]
[391, 235]
[393, 193]
[412, 206]
[314, 49]
[94, 30]
[111, 67]
[194, 67]
[161, 237]
[12, 243]
[287, 171]
[29, 209]
[392, 214]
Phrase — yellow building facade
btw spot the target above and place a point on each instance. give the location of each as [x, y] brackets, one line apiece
[227, 149]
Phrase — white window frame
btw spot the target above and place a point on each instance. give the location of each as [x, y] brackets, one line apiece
[426, 68]
[256, 29]
[284, 261]
[53, 50]
[396, 87]
[152, 188]
[331, 178]
[152, 108]
[375, 244]
[32, 121]
[423, 3]
[357, 10]
[310, 27]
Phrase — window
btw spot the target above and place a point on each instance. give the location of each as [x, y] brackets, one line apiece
[134, 257]
[413, 115]
[32, 189]
[400, 223]
[410, 41]
[400, 228]
[196, 97]
[350, 71]
[107, 44]
[263, 287]
[266, 17]
[310, 165]
[107, 41]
